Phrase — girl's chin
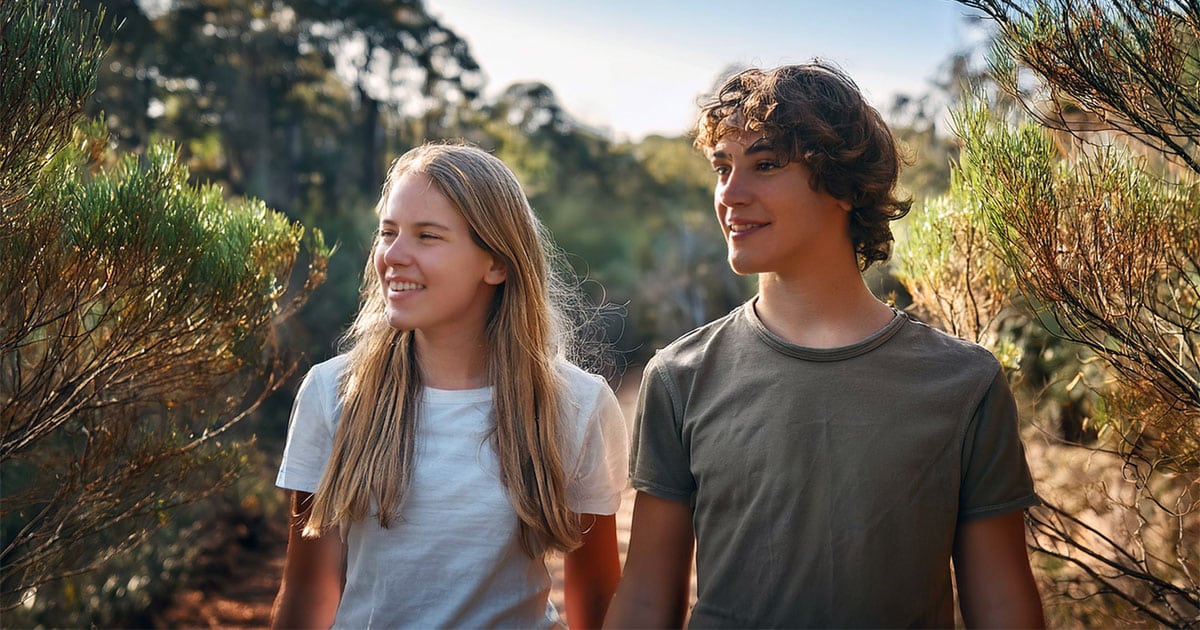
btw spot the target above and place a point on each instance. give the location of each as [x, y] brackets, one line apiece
[398, 323]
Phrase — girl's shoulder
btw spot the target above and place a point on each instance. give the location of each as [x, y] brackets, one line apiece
[579, 384]
[330, 370]
[586, 397]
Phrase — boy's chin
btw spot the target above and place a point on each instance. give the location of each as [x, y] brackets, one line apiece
[743, 267]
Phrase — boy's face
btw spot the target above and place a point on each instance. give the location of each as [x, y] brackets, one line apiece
[772, 219]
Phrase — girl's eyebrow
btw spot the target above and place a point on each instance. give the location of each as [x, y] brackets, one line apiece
[420, 225]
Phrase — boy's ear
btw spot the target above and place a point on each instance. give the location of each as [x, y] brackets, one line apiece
[497, 273]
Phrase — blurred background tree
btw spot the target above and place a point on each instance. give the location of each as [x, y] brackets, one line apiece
[1069, 242]
[303, 104]
[138, 323]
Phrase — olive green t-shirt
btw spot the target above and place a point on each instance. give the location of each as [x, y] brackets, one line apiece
[826, 484]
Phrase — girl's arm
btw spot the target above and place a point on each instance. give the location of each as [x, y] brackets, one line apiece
[313, 574]
[592, 572]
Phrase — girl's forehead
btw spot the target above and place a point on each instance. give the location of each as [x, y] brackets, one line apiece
[415, 197]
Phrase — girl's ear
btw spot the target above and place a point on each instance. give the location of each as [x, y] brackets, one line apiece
[497, 273]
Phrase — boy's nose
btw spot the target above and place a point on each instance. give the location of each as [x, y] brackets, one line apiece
[732, 192]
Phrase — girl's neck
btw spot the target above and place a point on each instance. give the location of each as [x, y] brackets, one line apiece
[454, 362]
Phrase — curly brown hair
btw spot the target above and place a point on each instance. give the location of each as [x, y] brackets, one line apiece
[816, 114]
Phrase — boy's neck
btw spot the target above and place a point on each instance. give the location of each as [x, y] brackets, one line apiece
[828, 311]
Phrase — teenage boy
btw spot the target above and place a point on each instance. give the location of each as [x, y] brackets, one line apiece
[828, 457]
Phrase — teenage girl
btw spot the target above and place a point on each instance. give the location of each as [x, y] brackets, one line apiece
[437, 461]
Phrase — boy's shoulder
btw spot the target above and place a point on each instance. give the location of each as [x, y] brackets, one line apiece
[924, 340]
[691, 348]
[911, 341]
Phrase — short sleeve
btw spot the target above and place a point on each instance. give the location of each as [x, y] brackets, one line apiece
[996, 477]
[659, 464]
[599, 475]
[310, 431]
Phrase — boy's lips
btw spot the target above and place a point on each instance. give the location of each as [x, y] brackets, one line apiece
[744, 228]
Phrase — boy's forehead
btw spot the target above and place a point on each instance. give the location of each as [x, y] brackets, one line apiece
[740, 142]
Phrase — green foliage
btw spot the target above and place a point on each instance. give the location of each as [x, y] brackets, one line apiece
[49, 59]
[137, 307]
[1089, 212]
[1103, 247]
[310, 128]
[1130, 66]
[1101, 254]
[949, 267]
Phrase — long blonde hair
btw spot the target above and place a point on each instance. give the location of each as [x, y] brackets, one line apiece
[373, 450]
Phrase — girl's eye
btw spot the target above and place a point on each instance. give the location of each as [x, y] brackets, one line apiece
[386, 233]
[427, 236]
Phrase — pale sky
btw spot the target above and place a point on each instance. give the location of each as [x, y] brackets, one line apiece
[637, 67]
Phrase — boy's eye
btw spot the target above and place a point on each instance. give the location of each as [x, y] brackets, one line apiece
[721, 169]
[768, 165]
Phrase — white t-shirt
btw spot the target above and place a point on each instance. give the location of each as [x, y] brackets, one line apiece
[453, 558]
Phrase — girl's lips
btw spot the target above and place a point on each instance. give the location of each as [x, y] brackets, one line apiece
[400, 285]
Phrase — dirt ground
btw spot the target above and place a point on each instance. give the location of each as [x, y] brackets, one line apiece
[243, 598]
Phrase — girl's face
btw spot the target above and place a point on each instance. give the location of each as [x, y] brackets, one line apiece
[433, 276]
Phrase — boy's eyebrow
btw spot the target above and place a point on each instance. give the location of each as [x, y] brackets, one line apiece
[762, 145]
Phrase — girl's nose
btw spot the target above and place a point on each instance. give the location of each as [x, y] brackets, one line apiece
[397, 252]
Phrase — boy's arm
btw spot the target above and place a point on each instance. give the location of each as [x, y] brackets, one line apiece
[313, 574]
[591, 573]
[991, 567]
[658, 567]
